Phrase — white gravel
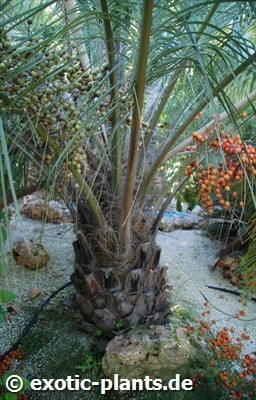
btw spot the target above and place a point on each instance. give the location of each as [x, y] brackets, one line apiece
[190, 255]
[57, 240]
[188, 252]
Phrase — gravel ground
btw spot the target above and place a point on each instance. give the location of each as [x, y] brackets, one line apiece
[54, 347]
[190, 255]
[57, 240]
[188, 252]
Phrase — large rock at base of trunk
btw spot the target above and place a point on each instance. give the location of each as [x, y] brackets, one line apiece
[155, 351]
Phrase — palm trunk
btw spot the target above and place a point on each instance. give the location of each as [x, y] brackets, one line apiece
[118, 291]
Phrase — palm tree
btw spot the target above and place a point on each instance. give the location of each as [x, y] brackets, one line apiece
[98, 95]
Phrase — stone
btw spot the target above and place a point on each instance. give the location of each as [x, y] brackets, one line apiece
[177, 222]
[166, 224]
[28, 254]
[155, 351]
[230, 265]
[35, 207]
[200, 223]
[197, 210]
[188, 223]
[34, 293]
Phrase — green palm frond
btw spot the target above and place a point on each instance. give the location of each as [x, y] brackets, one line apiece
[201, 55]
[248, 263]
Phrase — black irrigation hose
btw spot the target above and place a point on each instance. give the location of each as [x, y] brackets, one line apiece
[223, 312]
[33, 321]
[229, 291]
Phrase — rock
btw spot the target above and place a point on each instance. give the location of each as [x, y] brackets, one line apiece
[230, 265]
[188, 223]
[177, 222]
[200, 223]
[34, 293]
[197, 210]
[36, 207]
[166, 225]
[28, 254]
[154, 351]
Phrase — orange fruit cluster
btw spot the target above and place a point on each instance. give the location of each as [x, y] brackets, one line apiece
[237, 372]
[7, 365]
[222, 181]
[237, 383]
[7, 362]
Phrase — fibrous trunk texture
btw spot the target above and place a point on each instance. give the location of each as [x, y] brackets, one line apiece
[120, 293]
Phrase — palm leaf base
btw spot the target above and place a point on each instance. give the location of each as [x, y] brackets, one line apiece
[112, 296]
